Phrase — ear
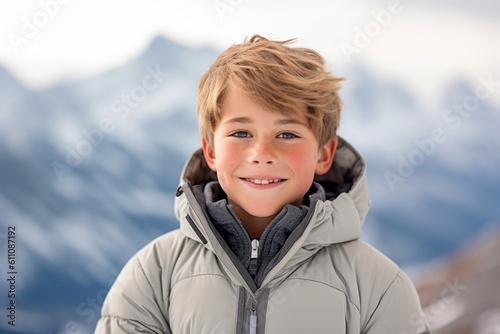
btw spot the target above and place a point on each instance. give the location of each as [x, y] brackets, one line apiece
[325, 156]
[209, 154]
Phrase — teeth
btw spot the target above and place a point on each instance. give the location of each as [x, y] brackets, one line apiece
[258, 181]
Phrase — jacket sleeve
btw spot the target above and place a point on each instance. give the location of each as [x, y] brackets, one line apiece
[398, 311]
[133, 304]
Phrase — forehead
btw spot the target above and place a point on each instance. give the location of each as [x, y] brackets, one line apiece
[241, 106]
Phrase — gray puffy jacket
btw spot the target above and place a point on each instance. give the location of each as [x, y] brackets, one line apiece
[326, 280]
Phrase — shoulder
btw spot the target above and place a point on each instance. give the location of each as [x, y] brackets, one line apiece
[163, 252]
[153, 267]
[154, 258]
[132, 303]
[356, 268]
[372, 279]
[361, 264]
[166, 242]
[359, 269]
[366, 259]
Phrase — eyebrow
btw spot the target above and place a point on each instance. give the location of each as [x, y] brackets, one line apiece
[242, 120]
[286, 121]
[247, 120]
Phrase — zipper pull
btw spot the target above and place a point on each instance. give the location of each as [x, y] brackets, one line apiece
[252, 269]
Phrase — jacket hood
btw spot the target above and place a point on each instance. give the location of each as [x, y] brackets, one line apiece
[345, 185]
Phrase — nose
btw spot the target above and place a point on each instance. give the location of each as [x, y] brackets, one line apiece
[262, 152]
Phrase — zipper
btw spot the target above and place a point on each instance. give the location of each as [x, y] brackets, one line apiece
[253, 317]
[252, 269]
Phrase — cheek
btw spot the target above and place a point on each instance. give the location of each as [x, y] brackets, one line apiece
[227, 159]
[302, 160]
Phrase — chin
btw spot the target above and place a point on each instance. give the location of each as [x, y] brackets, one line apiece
[263, 211]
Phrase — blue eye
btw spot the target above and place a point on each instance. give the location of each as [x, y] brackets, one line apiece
[240, 134]
[287, 135]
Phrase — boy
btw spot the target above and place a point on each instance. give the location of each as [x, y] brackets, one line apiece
[270, 214]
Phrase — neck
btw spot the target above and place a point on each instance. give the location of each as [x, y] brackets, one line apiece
[254, 226]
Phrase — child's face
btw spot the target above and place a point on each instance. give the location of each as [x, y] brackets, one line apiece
[264, 159]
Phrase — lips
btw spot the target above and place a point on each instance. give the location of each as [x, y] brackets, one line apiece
[262, 181]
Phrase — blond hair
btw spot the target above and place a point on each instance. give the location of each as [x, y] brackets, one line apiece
[278, 77]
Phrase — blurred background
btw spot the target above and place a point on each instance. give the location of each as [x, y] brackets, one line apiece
[98, 117]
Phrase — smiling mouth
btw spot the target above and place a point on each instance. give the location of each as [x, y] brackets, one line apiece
[263, 181]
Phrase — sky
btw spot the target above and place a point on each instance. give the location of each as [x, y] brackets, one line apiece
[425, 44]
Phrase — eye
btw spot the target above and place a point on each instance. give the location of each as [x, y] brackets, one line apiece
[287, 135]
[240, 134]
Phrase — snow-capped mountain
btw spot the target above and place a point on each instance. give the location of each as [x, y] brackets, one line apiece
[89, 168]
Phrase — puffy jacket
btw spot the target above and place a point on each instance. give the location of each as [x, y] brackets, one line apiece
[326, 280]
